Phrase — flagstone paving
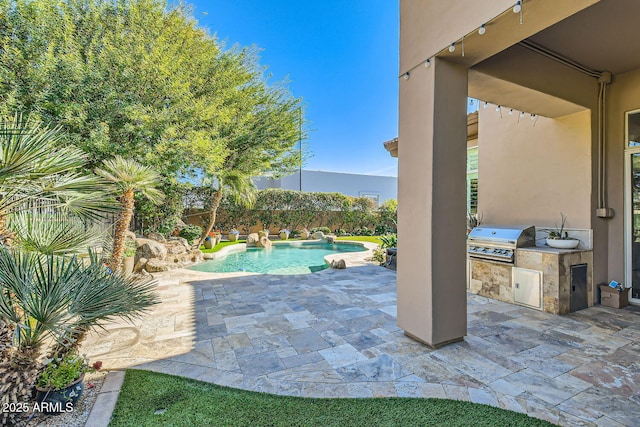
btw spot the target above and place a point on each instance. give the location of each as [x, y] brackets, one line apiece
[333, 334]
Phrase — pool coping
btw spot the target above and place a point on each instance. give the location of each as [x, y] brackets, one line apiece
[351, 259]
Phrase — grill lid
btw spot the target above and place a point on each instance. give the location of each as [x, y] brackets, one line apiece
[513, 235]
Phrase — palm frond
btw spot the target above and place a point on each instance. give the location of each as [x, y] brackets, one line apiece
[55, 233]
[129, 175]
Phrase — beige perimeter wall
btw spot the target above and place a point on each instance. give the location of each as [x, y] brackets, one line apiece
[529, 174]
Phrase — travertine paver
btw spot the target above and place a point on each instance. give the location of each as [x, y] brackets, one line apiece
[334, 334]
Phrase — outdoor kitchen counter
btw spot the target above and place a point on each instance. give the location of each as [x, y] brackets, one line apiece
[555, 265]
[552, 250]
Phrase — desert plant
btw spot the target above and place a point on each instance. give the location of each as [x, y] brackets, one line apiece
[325, 230]
[51, 299]
[129, 177]
[559, 233]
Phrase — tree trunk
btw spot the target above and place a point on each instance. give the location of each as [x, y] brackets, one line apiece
[216, 198]
[122, 225]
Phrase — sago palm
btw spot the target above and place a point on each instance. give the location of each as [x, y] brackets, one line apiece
[129, 178]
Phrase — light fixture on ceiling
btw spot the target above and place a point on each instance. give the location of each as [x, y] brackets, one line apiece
[427, 63]
[498, 108]
[511, 111]
[406, 76]
[452, 48]
[533, 116]
[486, 104]
[518, 7]
[482, 29]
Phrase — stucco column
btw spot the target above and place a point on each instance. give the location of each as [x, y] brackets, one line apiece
[432, 305]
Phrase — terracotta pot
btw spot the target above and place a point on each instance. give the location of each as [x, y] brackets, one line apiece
[284, 235]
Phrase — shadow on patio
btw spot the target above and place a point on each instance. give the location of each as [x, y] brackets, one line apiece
[334, 334]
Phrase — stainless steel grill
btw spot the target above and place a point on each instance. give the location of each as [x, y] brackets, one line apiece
[498, 243]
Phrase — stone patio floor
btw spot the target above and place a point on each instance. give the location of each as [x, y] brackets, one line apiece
[334, 334]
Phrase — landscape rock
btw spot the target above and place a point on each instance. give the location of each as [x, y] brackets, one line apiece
[317, 235]
[197, 255]
[175, 248]
[155, 265]
[140, 265]
[339, 264]
[149, 249]
[182, 240]
[157, 237]
[263, 243]
[208, 256]
[330, 239]
[130, 235]
[252, 239]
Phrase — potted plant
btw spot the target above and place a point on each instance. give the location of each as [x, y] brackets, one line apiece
[61, 382]
[212, 239]
[233, 235]
[128, 261]
[559, 238]
[284, 234]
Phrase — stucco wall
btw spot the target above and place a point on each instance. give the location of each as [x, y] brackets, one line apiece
[386, 187]
[529, 174]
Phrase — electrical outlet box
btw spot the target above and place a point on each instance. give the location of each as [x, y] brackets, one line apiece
[604, 212]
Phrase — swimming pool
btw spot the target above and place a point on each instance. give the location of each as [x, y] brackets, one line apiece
[290, 258]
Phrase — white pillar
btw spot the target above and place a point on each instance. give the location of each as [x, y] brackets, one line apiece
[432, 302]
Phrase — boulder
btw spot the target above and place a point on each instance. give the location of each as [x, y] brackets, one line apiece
[263, 243]
[157, 237]
[140, 265]
[130, 235]
[339, 264]
[155, 265]
[330, 239]
[252, 239]
[317, 235]
[175, 248]
[149, 249]
[196, 255]
[182, 240]
[208, 256]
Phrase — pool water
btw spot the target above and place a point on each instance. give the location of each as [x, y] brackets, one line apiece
[280, 259]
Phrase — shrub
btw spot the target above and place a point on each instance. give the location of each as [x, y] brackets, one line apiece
[389, 241]
[130, 248]
[383, 229]
[379, 255]
[340, 232]
[364, 231]
[191, 232]
[325, 230]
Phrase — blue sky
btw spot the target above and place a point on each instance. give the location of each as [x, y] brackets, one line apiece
[341, 57]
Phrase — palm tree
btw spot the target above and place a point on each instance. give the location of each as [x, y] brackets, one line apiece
[34, 166]
[129, 177]
[48, 298]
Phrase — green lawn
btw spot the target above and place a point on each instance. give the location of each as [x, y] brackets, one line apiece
[152, 399]
[371, 239]
[219, 246]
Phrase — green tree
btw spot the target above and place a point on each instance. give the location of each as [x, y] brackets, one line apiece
[129, 177]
